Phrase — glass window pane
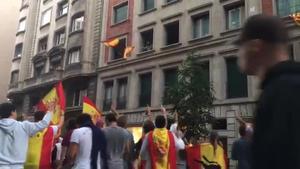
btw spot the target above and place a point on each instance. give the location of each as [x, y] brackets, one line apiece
[118, 51]
[120, 13]
[46, 17]
[22, 25]
[148, 4]
[196, 28]
[205, 25]
[145, 89]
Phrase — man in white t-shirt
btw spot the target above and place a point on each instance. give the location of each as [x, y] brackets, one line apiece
[82, 145]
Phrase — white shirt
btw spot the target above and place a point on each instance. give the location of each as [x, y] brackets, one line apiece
[83, 137]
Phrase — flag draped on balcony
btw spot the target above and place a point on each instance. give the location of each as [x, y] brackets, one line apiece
[111, 43]
[127, 52]
[56, 95]
[90, 108]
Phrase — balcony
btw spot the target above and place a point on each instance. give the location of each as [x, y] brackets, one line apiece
[44, 79]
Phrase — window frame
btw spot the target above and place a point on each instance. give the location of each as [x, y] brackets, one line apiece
[112, 51]
[107, 101]
[114, 22]
[143, 6]
[22, 20]
[39, 44]
[166, 32]
[122, 101]
[70, 56]
[12, 77]
[228, 16]
[56, 37]
[142, 47]
[141, 96]
[60, 8]
[230, 95]
[199, 18]
[21, 51]
[74, 17]
[42, 17]
[276, 8]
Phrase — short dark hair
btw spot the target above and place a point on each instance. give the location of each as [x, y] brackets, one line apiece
[6, 110]
[148, 126]
[270, 29]
[160, 121]
[83, 119]
[242, 130]
[122, 121]
[38, 116]
[71, 124]
[110, 117]
[214, 136]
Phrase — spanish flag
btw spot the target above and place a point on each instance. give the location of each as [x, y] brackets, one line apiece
[55, 95]
[162, 149]
[90, 108]
[205, 156]
[127, 52]
[39, 151]
[296, 18]
[112, 42]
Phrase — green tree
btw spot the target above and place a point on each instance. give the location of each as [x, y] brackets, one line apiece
[192, 97]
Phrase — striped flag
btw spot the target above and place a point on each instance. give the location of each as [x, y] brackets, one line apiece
[205, 156]
[55, 95]
[90, 108]
[112, 42]
[127, 52]
[296, 18]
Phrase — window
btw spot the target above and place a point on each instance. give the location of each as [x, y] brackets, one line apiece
[108, 95]
[200, 26]
[169, 1]
[234, 18]
[46, 17]
[148, 5]
[60, 37]
[62, 8]
[205, 68]
[120, 13]
[23, 3]
[55, 65]
[145, 89]
[219, 124]
[122, 93]
[172, 33]
[22, 25]
[18, 50]
[147, 40]
[74, 56]
[14, 77]
[118, 51]
[77, 23]
[170, 80]
[287, 7]
[43, 45]
[39, 69]
[236, 81]
[78, 96]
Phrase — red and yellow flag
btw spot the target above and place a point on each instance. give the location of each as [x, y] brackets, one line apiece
[296, 18]
[40, 149]
[162, 149]
[127, 52]
[112, 42]
[55, 95]
[205, 155]
[90, 108]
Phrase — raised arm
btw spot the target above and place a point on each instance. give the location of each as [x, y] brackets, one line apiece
[33, 128]
[113, 110]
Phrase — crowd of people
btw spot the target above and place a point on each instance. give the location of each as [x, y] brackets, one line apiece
[271, 142]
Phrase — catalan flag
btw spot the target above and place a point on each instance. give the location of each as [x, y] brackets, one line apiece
[296, 18]
[90, 108]
[205, 156]
[112, 42]
[55, 95]
[127, 52]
